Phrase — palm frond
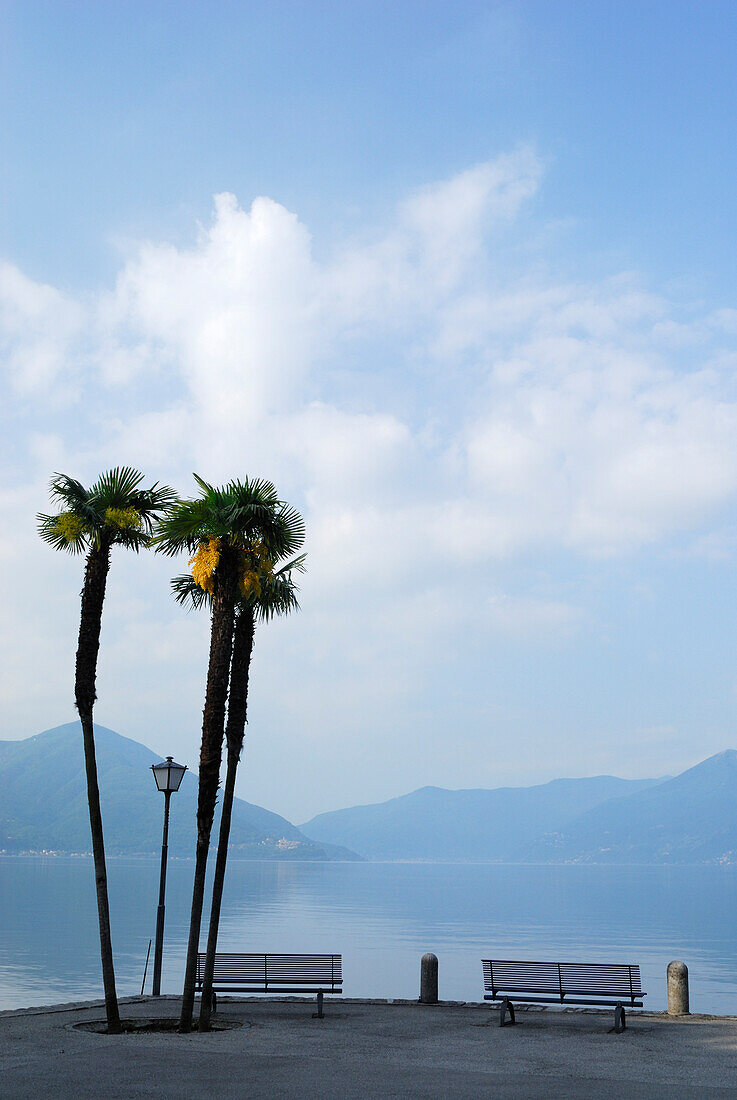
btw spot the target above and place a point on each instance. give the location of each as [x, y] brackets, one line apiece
[114, 488]
[207, 489]
[119, 488]
[185, 524]
[132, 539]
[253, 491]
[150, 503]
[293, 527]
[280, 528]
[250, 504]
[241, 512]
[188, 593]
[296, 565]
[48, 529]
[278, 593]
[278, 597]
[73, 496]
[67, 490]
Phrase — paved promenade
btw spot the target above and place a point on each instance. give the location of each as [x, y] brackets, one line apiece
[367, 1049]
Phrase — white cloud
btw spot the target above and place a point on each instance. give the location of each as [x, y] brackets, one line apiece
[448, 223]
[403, 276]
[438, 419]
[234, 314]
[38, 325]
[601, 447]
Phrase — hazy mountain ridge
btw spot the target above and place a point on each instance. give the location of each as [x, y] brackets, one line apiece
[691, 818]
[478, 824]
[43, 806]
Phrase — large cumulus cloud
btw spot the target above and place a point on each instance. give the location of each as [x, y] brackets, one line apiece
[437, 405]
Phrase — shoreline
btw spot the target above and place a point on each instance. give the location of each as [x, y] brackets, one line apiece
[363, 861]
[385, 1002]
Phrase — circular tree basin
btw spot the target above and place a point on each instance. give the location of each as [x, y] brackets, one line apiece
[146, 1026]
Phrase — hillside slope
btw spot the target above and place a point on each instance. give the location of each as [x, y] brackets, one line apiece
[44, 803]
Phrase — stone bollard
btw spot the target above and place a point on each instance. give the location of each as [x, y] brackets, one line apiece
[677, 989]
[429, 979]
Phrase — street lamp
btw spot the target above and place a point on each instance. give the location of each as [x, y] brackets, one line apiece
[168, 776]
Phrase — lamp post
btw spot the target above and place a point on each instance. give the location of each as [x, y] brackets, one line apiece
[168, 776]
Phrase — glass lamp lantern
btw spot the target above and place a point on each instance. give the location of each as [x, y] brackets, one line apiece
[168, 775]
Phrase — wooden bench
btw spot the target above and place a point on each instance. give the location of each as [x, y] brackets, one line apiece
[237, 973]
[562, 983]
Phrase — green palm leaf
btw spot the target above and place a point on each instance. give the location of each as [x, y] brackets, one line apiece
[114, 511]
[240, 513]
[278, 593]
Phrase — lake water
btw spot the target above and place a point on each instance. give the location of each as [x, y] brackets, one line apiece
[382, 917]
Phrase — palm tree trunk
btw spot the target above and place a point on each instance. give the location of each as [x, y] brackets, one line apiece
[93, 597]
[211, 750]
[237, 705]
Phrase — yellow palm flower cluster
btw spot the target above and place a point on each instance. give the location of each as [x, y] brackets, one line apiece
[204, 563]
[250, 583]
[69, 526]
[257, 567]
[126, 519]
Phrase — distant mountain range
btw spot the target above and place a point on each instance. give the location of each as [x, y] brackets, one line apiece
[43, 804]
[689, 819]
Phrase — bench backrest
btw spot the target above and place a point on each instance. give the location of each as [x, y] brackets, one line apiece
[268, 970]
[559, 979]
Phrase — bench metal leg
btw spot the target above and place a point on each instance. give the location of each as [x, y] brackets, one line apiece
[319, 1015]
[506, 1008]
[214, 1003]
[620, 1019]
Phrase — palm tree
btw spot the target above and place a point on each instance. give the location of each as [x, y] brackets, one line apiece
[276, 595]
[222, 526]
[115, 511]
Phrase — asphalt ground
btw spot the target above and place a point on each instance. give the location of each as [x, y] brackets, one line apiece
[364, 1049]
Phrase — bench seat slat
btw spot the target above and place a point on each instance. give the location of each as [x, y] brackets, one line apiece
[562, 981]
[251, 973]
[631, 1003]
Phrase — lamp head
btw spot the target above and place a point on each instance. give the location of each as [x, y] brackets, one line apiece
[168, 775]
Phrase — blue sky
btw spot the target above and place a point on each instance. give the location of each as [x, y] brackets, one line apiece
[468, 296]
[127, 118]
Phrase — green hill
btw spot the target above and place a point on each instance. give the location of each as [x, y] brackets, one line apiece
[43, 804]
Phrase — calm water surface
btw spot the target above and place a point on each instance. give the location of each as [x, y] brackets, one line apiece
[382, 917]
